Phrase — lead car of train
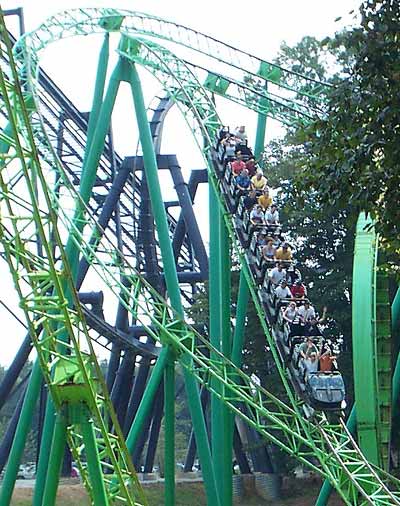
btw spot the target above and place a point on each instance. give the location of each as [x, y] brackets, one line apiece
[320, 390]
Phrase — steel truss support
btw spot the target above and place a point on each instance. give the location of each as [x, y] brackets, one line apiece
[13, 371]
[340, 459]
[154, 433]
[9, 434]
[152, 425]
[196, 177]
[99, 123]
[191, 452]
[261, 127]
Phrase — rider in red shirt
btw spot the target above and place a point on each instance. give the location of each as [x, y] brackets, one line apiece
[298, 290]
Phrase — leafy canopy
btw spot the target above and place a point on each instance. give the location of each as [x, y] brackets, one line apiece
[354, 151]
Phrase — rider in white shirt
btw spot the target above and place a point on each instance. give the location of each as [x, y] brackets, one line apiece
[282, 291]
[306, 312]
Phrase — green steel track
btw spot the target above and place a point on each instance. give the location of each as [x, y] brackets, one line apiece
[46, 284]
[372, 346]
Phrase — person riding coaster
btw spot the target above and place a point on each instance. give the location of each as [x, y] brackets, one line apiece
[293, 318]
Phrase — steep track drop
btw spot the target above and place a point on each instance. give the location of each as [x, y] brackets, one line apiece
[340, 460]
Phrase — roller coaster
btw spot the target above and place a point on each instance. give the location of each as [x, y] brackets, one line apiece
[73, 213]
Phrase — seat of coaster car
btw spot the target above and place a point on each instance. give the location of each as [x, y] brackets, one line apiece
[273, 229]
[326, 390]
[285, 302]
[296, 340]
[244, 149]
[266, 264]
[300, 302]
[263, 263]
[285, 263]
[281, 303]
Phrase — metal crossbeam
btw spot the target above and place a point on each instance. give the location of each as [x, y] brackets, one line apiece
[73, 375]
[340, 460]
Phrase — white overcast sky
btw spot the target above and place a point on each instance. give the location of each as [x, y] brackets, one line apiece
[255, 26]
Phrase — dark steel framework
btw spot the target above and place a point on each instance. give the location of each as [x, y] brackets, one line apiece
[121, 203]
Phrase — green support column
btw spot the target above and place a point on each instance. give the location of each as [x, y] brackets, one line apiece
[396, 335]
[261, 127]
[33, 391]
[227, 416]
[97, 101]
[260, 135]
[54, 460]
[241, 311]
[4, 145]
[25, 420]
[169, 431]
[171, 279]
[45, 448]
[147, 399]
[24, 424]
[215, 329]
[91, 162]
[93, 459]
[220, 337]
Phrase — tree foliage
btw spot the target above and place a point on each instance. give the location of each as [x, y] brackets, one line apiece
[353, 152]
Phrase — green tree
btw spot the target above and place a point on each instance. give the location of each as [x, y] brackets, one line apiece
[353, 151]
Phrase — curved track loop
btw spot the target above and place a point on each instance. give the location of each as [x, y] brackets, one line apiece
[290, 95]
[340, 460]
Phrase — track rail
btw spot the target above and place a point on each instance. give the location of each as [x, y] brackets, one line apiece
[340, 460]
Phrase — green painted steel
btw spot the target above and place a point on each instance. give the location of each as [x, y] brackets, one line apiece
[24, 424]
[94, 464]
[396, 312]
[240, 321]
[261, 124]
[148, 398]
[99, 87]
[97, 131]
[371, 346]
[327, 488]
[396, 373]
[226, 349]
[340, 460]
[171, 277]
[55, 458]
[215, 330]
[94, 118]
[220, 338]
[44, 451]
[260, 135]
[77, 375]
[365, 386]
[348, 454]
[352, 421]
[383, 340]
[169, 428]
